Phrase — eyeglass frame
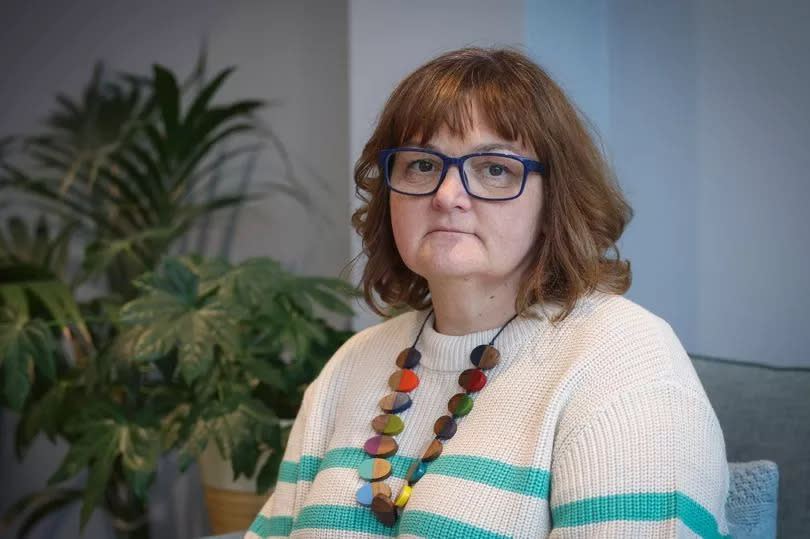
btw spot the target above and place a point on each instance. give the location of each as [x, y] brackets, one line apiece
[529, 165]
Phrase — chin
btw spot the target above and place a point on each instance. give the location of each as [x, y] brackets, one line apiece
[447, 268]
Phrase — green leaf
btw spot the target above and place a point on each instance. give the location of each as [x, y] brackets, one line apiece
[17, 383]
[97, 429]
[99, 476]
[244, 457]
[38, 505]
[23, 342]
[45, 414]
[168, 98]
[268, 474]
[175, 316]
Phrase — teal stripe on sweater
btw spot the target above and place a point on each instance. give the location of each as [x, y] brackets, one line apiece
[272, 527]
[360, 519]
[288, 472]
[424, 524]
[638, 506]
[523, 480]
[339, 517]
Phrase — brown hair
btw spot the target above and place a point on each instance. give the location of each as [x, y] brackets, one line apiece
[584, 212]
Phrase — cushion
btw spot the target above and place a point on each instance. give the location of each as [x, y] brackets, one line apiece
[751, 506]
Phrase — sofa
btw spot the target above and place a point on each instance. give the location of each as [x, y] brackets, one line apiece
[764, 412]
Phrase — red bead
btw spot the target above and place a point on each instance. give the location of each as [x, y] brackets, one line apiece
[472, 379]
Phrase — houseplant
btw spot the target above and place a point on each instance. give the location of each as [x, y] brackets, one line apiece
[167, 351]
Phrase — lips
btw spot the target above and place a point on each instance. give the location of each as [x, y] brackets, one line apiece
[443, 229]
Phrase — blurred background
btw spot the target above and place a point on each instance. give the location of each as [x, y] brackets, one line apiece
[700, 106]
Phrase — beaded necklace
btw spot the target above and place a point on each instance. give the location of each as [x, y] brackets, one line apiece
[377, 494]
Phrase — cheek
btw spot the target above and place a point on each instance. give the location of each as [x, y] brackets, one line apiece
[402, 224]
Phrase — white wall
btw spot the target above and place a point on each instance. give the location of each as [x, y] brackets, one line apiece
[753, 164]
[703, 110]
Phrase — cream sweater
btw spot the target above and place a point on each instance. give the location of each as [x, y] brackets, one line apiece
[594, 427]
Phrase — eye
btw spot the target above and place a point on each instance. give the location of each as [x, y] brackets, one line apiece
[423, 165]
[496, 170]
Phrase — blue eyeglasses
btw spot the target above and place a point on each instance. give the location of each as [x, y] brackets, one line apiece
[486, 175]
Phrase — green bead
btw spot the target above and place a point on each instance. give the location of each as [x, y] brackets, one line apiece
[387, 424]
[460, 404]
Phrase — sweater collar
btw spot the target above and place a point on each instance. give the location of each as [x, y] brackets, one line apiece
[452, 352]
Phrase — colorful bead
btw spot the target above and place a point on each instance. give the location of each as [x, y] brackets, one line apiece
[384, 509]
[445, 427]
[472, 380]
[404, 496]
[460, 404]
[433, 451]
[387, 424]
[381, 446]
[415, 472]
[395, 402]
[409, 358]
[485, 356]
[366, 493]
[403, 380]
[374, 469]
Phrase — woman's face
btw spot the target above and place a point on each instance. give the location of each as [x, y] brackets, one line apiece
[452, 235]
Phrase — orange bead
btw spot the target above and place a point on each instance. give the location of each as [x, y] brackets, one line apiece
[403, 380]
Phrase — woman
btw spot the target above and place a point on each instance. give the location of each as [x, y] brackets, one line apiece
[522, 396]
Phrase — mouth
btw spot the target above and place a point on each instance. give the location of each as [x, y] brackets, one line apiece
[445, 230]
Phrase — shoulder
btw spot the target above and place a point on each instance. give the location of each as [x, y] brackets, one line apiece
[612, 345]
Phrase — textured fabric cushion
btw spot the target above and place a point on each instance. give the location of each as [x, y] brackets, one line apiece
[751, 506]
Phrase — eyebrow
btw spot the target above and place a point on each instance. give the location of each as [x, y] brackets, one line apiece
[489, 147]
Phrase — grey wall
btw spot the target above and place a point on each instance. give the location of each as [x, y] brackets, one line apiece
[703, 111]
[294, 52]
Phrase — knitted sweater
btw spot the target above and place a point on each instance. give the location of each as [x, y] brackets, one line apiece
[596, 426]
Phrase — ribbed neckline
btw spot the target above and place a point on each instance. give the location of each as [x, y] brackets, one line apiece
[442, 352]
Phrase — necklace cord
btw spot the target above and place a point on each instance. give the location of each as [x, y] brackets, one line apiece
[491, 342]
[503, 327]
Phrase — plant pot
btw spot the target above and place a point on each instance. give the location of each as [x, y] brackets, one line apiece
[232, 505]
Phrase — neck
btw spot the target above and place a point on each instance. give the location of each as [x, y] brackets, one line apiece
[466, 306]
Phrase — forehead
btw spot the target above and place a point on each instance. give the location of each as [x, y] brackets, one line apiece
[475, 134]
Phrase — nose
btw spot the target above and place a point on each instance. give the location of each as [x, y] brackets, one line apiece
[451, 192]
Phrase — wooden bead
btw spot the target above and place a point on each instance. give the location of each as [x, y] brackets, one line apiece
[408, 358]
[415, 472]
[445, 427]
[395, 402]
[433, 451]
[387, 424]
[460, 404]
[374, 469]
[485, 356]
[472, 380]
[381, 446]
[384, 509]
[366, 493]
[404, 496]
[403, 380]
